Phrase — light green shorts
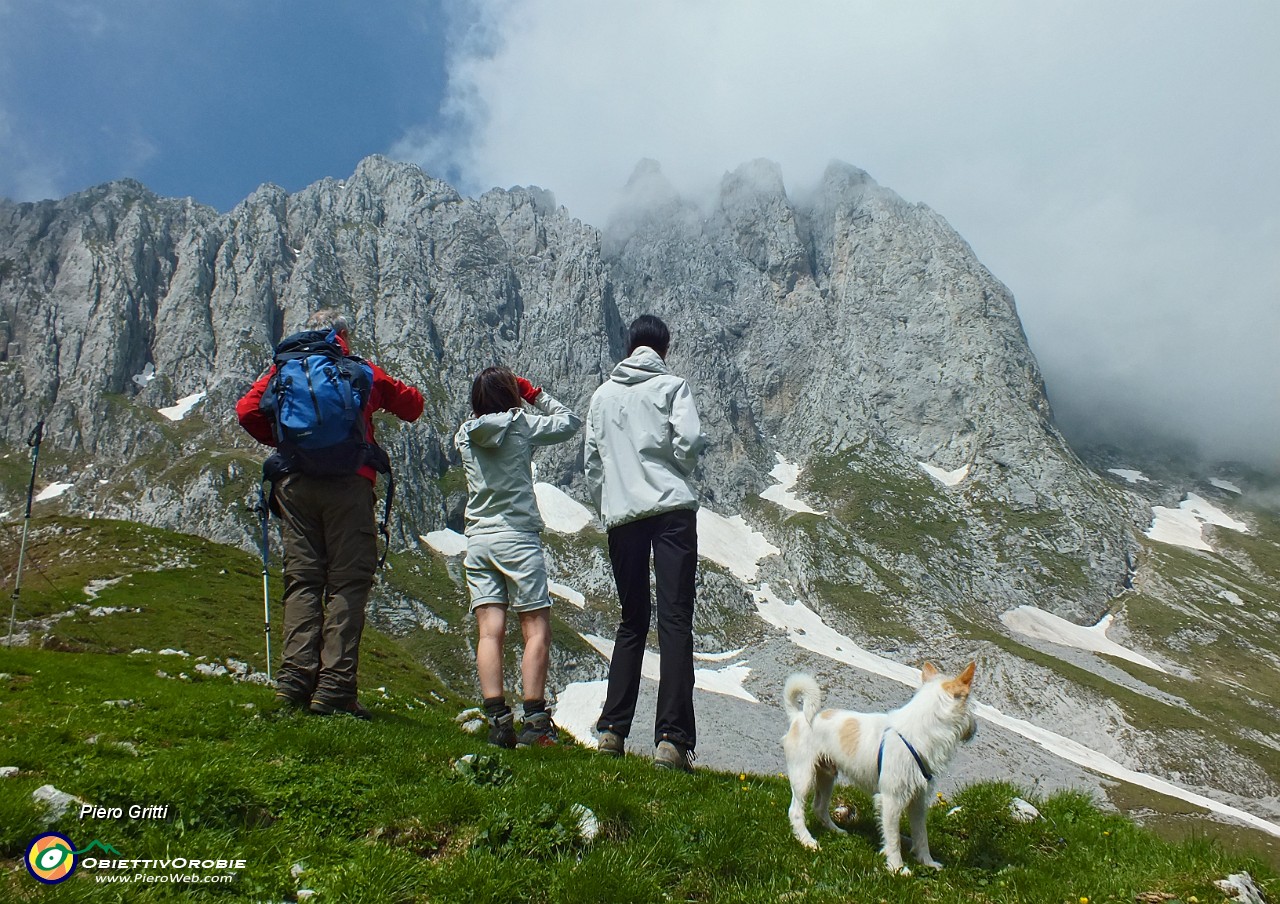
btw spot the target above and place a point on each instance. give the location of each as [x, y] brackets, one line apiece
[507, 569]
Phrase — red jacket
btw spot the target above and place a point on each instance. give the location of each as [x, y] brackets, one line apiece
[389, 394]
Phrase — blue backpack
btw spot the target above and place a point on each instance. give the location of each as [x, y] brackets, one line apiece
[317, 401]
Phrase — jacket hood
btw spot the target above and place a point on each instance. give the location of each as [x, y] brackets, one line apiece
[644, 364]
[488, 430]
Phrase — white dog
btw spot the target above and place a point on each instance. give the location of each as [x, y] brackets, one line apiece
[892, 755]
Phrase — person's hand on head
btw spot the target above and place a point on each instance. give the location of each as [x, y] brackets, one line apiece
[528, 391]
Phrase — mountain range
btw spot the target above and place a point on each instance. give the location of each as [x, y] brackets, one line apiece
[884, 482]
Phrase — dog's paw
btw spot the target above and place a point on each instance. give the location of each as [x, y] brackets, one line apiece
[930, 862]
[901, 869]
[807, 840]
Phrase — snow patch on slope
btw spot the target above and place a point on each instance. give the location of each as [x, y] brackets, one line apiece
[943, 476]
[447, 542]
[566, 593]
[1184, 526]
[1129, 475]
[560, 511]
[732, 543]
[1041, 625]
[578, 706]
[182, 407]
[52, 491]
[783, 493]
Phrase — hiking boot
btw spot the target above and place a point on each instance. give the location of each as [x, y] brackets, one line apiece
[538, 731]
[287, 703]
[611, 743]
[350, 708]
[502, 732]
[670, 755]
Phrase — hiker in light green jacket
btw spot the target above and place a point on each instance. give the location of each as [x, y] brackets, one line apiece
[504, 562]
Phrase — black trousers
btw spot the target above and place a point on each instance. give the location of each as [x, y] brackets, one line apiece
[672, 538]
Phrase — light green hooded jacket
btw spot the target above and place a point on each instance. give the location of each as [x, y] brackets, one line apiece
[496, 451]
[643, 438]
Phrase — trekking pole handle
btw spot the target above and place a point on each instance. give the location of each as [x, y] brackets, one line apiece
[37, 435]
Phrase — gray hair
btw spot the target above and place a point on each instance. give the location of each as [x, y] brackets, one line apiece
[328, 318]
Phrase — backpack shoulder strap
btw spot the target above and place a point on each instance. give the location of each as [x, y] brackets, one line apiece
[385, 527]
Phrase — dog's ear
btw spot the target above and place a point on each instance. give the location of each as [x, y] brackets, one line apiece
[928, 672]
[966, 677]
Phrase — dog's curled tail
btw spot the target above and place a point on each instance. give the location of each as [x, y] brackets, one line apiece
[801, 695]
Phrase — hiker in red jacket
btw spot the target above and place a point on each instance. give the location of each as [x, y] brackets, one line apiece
[330, 546]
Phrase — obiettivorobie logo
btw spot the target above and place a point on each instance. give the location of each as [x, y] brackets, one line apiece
[51, 857]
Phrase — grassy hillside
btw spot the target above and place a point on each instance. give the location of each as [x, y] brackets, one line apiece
[383, 811]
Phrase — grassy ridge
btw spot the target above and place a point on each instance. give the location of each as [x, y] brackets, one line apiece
[380, 812]
[376, 812]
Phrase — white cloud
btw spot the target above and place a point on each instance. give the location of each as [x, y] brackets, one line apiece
[1112, 163]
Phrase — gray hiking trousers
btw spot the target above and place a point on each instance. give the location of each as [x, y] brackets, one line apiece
[330, 554]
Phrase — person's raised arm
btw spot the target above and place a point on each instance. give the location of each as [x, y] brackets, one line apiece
[390, 394]
[554, 423]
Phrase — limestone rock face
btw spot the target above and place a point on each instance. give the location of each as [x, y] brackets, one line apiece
[845, 322]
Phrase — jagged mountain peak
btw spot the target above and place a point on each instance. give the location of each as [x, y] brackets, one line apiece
[809, 328]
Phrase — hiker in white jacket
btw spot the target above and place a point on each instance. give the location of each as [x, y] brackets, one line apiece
[643, 438]
[504, 562]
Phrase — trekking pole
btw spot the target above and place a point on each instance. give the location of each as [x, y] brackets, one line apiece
[34, 442]
[264, 513]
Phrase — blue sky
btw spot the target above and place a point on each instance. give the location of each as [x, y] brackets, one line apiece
[1114, 164]
[209, 99]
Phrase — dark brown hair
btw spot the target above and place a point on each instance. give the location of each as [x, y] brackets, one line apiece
[494, 390]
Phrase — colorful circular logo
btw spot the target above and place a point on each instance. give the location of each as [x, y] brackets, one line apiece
[51, 858]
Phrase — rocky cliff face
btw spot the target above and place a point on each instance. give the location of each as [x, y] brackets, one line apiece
[850, 320]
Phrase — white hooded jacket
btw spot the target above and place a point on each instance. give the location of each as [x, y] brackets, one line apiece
[496, 451]
[643, 438]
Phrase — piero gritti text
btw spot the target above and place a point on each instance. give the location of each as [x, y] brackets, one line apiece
[134, 811]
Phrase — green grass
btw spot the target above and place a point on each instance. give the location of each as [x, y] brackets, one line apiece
[873, 613]
[898, 511]
[452, 482]
[378, 811]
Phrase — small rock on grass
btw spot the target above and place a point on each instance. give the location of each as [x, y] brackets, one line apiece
[1021, 811]
[56, 802]
[588, 824]
[1241, 888]
[472, 720]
